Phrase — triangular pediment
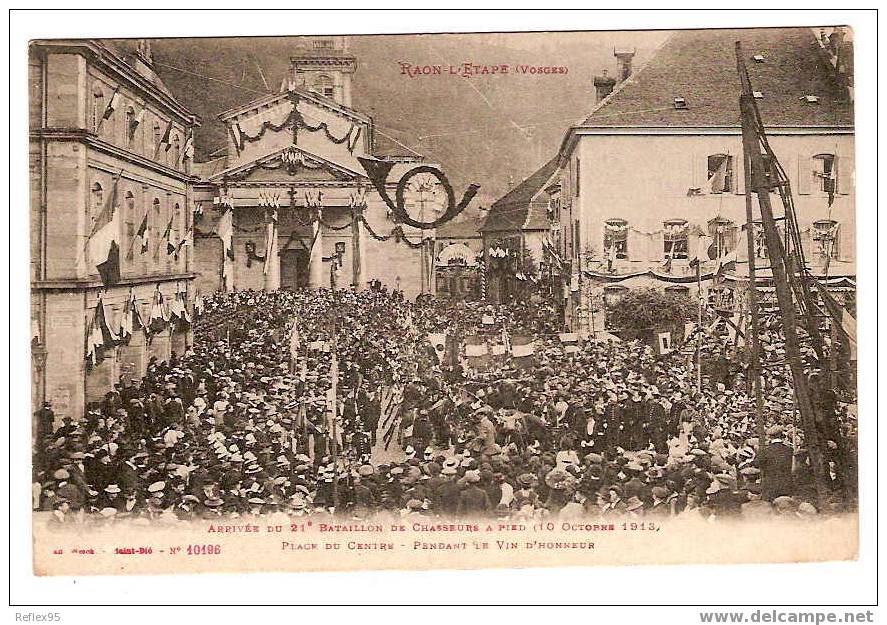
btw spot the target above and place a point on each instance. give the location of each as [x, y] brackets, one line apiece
[291, 164]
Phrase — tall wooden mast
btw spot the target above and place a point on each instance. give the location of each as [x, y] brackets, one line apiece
[782, 268]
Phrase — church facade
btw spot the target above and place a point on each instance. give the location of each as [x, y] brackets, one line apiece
[290, 206]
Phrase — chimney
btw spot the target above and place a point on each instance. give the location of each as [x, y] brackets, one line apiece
[625, 57]
[604, 85]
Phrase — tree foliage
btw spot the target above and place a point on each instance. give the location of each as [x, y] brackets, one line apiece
[639, 312]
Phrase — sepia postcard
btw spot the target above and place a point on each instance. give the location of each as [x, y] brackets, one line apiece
[341, 302]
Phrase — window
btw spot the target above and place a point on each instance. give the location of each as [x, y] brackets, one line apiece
[129, 126]
[825, 236]
[825, 173]
[723, 234]
[157, 224]
[129, 215]
[323, 44]
[676, 239]
[98, 107]
[720, 173]
[324, 86]
[616, 239]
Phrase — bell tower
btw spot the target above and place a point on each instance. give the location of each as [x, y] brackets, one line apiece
[323, 65]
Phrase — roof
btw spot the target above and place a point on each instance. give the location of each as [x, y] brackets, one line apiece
[209, 168]
[700, 66]
[516, 210]
[303, 94]
[465, 229]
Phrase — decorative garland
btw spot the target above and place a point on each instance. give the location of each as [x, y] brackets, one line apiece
[397, 234]
[335, 228]
[296, 120]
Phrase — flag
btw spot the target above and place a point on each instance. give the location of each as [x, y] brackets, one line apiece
[164, 141]
[113, 103]
[473, 350]
[94, 343]
[181, 244]
[101, 245]
[136, 120]
[126, 317]
[188, 150]
[225, 230]
[159, 317]
[521, 349]
[109, 269]
[142, 235]
[170, 247]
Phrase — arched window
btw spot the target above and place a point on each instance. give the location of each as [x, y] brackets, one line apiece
[324, 86]
[129, 127]
[176, 151]
[98, 107]
[129, 218]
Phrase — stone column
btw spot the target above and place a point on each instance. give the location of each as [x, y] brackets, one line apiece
[272, 258]
[358, 204]
[315, 264]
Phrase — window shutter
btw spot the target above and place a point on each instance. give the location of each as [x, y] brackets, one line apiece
[738, 173]
[805, 174]
[845, 173]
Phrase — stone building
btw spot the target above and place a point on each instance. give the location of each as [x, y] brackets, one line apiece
[518, 224]
[108, 141]
[656, 169]
[290, 180]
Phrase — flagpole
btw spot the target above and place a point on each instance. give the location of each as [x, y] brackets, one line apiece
[699, 325]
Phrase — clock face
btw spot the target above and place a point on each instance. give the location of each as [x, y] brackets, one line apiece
[425, 198]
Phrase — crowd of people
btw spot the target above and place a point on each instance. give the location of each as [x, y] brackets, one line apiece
[250, 420]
